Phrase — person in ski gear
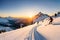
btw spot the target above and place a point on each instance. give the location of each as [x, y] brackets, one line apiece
[51, 20]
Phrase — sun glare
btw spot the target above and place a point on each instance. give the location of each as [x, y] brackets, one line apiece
[30, 16]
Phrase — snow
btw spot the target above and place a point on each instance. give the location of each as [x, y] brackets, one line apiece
[56, 21]
[3, 20]
[51, 32]
[19, 34]
[40, 31]
[42, 17]
[5, 28]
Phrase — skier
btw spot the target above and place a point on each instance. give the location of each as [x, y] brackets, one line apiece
[55, 15]
[51, 20]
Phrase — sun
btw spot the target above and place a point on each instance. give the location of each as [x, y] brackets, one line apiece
[30, 16]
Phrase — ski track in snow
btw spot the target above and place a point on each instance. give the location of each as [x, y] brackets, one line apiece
[35, 34]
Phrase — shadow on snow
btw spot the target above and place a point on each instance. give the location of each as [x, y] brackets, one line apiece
[38, 36]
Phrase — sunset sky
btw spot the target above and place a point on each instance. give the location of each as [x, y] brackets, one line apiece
[17, 8]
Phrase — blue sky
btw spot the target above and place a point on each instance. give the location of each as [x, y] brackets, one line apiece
[17, 8]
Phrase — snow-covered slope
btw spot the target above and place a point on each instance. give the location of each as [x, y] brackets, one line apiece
[50, 32]
[19, 34]
[34, 32]
[56, 20]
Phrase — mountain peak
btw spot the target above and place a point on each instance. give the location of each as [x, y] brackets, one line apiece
[39, 17]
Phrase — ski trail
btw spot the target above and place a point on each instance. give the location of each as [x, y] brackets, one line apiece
[30, 35]
[37, 35]
[34, 35]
